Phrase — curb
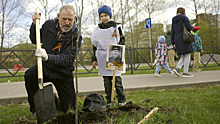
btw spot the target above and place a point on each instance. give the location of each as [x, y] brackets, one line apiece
[12, 100]
[175, 86]
[19, 100]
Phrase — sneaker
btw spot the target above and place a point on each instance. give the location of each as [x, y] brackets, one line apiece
[187, 75]
[157, 75]
[121, 104]
[110, 104]
[176, 71]
[33, 116]
[197, 70]
[172, 73]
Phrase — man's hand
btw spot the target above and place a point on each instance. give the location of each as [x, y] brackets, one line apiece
[36, 16]
[41, 53]
[94, 64]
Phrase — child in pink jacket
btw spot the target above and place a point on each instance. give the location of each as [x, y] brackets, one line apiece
[161, 56]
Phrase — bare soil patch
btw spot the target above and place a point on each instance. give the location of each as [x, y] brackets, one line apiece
[100, 117]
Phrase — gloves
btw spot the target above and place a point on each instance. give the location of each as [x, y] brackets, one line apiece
[41, 53]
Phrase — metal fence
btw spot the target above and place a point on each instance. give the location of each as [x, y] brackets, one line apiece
[136, 59]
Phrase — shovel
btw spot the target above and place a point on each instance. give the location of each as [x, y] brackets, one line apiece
[113, 86]
[43, 97]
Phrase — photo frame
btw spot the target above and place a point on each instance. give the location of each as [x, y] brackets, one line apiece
[115, 57]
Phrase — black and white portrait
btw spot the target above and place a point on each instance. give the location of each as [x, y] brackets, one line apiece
[115, 56]
[115, 53]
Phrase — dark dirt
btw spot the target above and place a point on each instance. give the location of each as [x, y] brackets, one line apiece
[98, 116]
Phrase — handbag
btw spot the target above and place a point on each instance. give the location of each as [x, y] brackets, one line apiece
[188, 37]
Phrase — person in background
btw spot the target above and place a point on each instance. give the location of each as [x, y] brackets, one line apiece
[107, 32]
[58, 52]
[197, 46]
[182, 48]
[161, 56]
[171, 52]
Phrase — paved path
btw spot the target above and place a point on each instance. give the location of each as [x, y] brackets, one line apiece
[15, 92]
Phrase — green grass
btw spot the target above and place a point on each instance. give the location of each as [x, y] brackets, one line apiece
[11, 112]
[194, 105]
[139, 71]
[12, 79]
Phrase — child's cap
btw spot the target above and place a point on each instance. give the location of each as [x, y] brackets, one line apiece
[105, 9]
[196, 28]
[161, 39]
[116, 48]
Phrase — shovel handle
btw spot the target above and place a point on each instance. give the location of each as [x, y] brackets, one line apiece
[39, 59]
[113, 86]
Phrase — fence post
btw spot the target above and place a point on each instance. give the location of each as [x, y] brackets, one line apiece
[131, 60]
[127, 59]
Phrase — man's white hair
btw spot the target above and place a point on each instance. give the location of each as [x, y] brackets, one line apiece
[67, 7]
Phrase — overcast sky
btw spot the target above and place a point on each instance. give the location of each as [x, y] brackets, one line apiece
[165, 16]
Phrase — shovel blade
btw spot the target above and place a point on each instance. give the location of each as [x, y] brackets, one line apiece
[45, 104]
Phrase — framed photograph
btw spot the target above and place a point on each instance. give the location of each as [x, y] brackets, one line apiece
[115, 57]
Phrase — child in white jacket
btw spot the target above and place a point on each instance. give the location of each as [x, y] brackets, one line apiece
[108, 32]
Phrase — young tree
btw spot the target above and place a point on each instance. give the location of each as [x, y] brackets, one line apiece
[152, 6]
[77, 90]
[10, 13]
[216, 7]
[46, 8]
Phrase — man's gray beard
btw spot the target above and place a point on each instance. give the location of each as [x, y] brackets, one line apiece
[64, 30]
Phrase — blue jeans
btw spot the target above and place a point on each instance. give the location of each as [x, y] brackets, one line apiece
[166, 66]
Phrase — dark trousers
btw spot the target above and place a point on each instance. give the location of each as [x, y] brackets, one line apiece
[65, 89]
[118, 86]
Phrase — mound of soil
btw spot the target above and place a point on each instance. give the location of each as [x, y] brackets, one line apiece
[96, 116]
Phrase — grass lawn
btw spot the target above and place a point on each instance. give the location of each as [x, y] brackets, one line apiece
[195, 105]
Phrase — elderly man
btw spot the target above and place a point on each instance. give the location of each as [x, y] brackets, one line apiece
[58, 37]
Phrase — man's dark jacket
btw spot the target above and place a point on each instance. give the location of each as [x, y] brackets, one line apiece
[60, 61]
[177, 34]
